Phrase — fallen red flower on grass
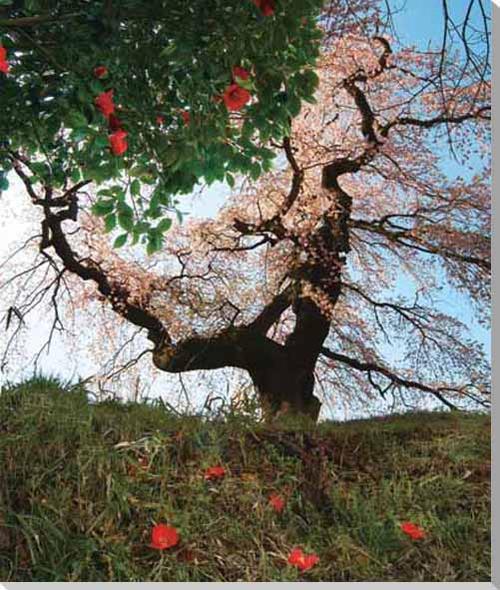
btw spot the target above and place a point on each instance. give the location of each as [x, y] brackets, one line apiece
[104, 102]
[215, 472]
[118, 142]
[100, 71]
[413, 530]
[301, 560]
[277, 502]
[235, 97]
[186, 117]
[164, 536]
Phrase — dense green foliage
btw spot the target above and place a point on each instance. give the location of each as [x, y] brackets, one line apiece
[75, 504]
[162, 59]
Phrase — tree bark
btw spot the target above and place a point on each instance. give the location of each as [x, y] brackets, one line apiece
[286, 390]
[283, 379]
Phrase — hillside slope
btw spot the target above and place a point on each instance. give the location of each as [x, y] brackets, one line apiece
[82, 485]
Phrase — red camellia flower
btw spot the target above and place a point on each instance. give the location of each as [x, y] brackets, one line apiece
[104, 102]
[160, 119]
[186, 117]
[235, 97]
[240, 73]
[215, 472]
[267, 7]
[114, 123]
[100, 71]
[302, 561]
[412, 530]
[118, 142]
[4, 64]
[277, 502]
[164, 536]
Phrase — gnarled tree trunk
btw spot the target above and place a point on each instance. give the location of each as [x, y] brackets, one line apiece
[283, 373]
[286, 390]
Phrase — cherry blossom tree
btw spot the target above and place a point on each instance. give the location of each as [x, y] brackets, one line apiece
[297, 280]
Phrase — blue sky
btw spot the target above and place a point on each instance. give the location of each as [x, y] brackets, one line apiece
[420, 23]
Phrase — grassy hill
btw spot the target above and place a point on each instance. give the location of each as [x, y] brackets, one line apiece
[81, 486]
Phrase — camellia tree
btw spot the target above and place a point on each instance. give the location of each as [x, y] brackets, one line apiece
[298, 280]
[149, 96]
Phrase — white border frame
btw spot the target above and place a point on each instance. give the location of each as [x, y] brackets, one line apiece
[495, 493]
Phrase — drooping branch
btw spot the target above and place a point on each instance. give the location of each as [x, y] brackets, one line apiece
[443, 119]
[58, 210]
[409, 239]
[370, 368]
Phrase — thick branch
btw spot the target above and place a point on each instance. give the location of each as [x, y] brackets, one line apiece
[241, 347]
[273, 311]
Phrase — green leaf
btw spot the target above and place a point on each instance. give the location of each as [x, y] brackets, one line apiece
[255, 170]
[310, 99]
[142, 227]
[40, 169]
[76, 175]
[109, 223]
[101, 142]
[168, 50]
[155, 242]
[247, 84]
[126, 220]
[106, 192]
[122, 207]
[164, 225]
[293, 106]
[135, 188]
[103, 207]
[120, 241]
[76, 120]
[139, 170]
